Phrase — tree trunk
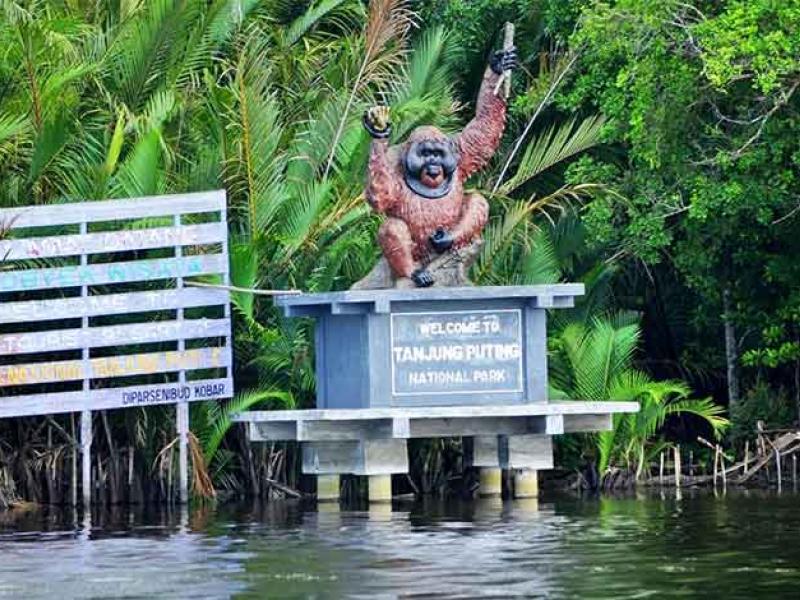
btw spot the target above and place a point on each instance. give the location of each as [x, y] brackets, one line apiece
[731, 348]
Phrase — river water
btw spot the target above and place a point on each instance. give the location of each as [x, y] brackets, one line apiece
[744, 544]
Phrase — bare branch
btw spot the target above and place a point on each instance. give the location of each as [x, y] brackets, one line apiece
[787, 216]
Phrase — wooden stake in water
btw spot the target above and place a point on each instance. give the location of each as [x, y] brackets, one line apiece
[716, 462]
[505, 78]
[677, 458]
[746, 455]
[661, 468]
[722, 467]
[794, 472]
[778, 468]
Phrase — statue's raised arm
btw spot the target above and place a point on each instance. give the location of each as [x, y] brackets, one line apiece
[479, 140]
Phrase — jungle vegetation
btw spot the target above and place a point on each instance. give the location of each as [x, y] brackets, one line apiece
[651, 153]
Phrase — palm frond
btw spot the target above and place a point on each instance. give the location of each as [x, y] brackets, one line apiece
[554, 145]
[257, 174]
[140, 173]
[12, 126]
[220, 416]
[539, 264]
[389, 22]
[310, 19]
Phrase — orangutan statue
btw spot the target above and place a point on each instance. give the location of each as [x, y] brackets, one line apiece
[419, 186]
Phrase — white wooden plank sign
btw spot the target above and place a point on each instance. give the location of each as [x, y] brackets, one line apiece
[94, 313]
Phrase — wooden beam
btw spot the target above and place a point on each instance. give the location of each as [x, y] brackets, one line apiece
[119, 397]
[114, 210]
[109, 304]
[112, 335]
[112, 241]
[115, 366]
[111, 272]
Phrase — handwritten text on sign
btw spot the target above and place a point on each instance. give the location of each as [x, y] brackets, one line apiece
[457, 352]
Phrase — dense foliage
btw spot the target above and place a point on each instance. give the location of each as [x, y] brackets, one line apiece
[687, 213]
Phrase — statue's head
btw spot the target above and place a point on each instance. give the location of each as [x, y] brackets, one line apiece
[429, 162]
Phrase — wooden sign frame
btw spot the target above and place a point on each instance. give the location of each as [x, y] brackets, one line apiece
[97, 290]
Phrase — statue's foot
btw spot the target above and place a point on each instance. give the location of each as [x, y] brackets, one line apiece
[422, 278]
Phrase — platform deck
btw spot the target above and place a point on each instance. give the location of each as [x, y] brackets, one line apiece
[551, 418]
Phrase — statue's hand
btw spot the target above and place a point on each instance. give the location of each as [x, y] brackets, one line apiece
[377, 123]
[504, 60]
[441, 240]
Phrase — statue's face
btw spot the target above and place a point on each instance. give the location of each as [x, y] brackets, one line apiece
[429, 167]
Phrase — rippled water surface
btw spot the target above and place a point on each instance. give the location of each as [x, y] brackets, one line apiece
[740, 545]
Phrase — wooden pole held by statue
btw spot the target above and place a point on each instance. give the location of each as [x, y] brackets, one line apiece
[505, 78]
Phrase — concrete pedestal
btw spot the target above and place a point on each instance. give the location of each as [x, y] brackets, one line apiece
[491, 481]
[328, 488]
[526, 483]
[380, 488]
[431, 347]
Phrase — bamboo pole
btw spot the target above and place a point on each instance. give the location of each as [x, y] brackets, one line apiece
[661, 468]
[677, 460]
[778, 468]
[722, 467]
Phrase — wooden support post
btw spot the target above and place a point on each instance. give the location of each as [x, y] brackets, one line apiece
[778, 469]
[691, 463]
[526, 483]
[380, 488]
[182, 425]
[75, 450]
[677, 459]
[491, 481]
[328, 488]
[794, 472]
[86, 458]
[661, 468]
[722, 467]
[86, 415]
[182, 408]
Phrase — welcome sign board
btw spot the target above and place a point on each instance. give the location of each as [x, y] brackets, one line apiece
[95, 312]
[473, 352]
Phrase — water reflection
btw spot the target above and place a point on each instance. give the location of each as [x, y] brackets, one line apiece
[739, 544]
